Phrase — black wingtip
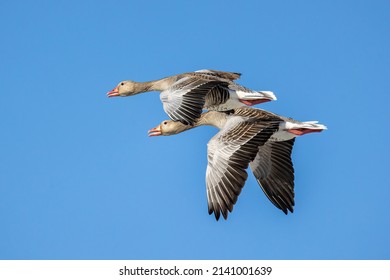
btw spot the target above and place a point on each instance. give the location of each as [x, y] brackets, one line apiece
[225, 214]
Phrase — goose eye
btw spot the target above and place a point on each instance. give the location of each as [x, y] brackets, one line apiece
[165, 123]
[122, 83]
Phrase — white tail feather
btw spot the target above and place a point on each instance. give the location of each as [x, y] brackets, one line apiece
[310, 125]
[253, 95]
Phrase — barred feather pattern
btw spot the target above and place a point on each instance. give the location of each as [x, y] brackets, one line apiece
[184, 101]
[216, 96]
[229, 154]
[274, 171]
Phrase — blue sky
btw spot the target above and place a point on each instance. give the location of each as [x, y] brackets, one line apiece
[80, 179]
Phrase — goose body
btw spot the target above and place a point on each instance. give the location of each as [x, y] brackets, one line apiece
[246, 138]
[184, 96]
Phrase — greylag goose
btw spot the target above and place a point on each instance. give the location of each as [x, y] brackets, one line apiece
[247, 136]
[184, 96]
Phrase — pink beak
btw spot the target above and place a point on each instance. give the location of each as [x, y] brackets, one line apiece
[155, 131]
[113, 92]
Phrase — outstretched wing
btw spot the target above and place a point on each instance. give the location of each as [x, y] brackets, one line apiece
[274, 171]
[229, 154]
[219, 74]
[185, 99]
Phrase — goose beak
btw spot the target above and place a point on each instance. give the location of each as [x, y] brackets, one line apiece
[113, 93]
[155, 131]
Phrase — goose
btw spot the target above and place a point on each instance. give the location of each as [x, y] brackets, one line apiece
[184, 96]
[247, 136]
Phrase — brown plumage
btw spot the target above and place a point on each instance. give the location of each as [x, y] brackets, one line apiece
[184, 96]
[247, 136]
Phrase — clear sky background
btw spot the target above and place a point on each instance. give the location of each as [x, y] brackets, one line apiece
[80, 179]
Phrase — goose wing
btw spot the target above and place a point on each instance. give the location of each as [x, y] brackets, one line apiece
[229, 154]
[219, 74]
[185, 99]
[274, 171]
[256, 113]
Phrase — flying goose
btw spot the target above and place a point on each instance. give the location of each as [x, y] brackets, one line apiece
[247, 136]
[184, 96]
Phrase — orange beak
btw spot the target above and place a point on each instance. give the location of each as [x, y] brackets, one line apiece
[113, 93]
[155, 131]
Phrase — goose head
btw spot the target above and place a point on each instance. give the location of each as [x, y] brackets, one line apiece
[167, 128]
[124, 88]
